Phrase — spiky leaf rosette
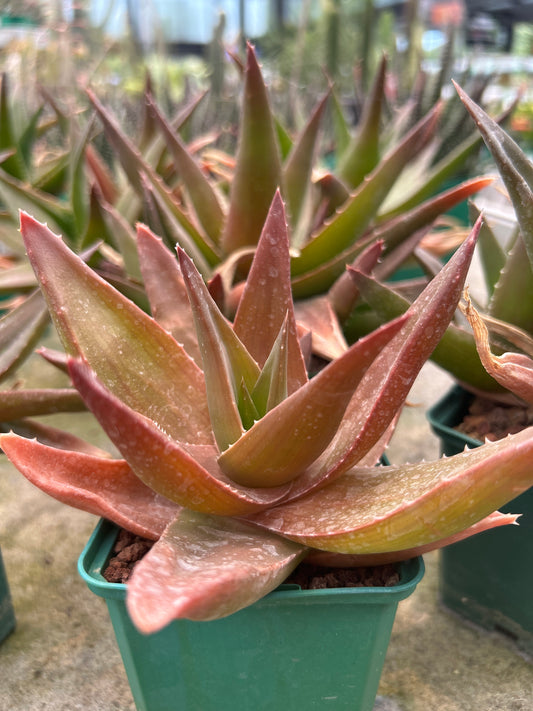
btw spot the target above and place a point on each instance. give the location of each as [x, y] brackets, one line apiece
[257, 464]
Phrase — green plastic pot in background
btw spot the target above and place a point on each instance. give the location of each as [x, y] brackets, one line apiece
[7, 615]
[294, 649]
[488, 578]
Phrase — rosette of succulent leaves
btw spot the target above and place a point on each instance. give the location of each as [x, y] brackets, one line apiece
[235, 462]
[496, 360]
[375, 205]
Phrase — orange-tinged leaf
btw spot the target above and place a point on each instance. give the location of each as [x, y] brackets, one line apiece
[166, 290]
[20, 329]
[343, 294]
[291, 436]
[383, 509]
[138, 360]
[182, 472]
[348, 560]
[392, 232]
[317, 316]
[102, 486]
[141, 174]
[384, 387]
[267, 299]
[206, 567]
[512, 370]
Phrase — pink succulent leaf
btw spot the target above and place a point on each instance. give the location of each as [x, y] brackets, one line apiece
[317, 316]
[512, 370]
[332, 193]
[203, 197]
[206, 567]
[226, 361]
[125, 149]
[384, 509]
[155, 376]
[288, 439]
[343, 294]
[347, 560]
[267, 298]
[20, 329]
[121, 234]
[166, 291]
[101, 486]
[396, 256]
[54, 437]
[385, 385]
[182, 472]
[100, 174]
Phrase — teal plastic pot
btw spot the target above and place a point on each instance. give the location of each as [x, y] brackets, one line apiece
[487, 579]
[7, 615]
[293, 650]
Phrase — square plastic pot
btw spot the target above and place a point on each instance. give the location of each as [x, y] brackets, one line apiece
[7, 615]
[294, 649]
[487, 579]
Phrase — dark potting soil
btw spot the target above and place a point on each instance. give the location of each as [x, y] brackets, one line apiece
[491, 420]
[129, 549]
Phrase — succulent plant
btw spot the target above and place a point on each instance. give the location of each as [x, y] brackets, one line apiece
[182, 193]
[507, 266]
[506, 324]
[236, 463]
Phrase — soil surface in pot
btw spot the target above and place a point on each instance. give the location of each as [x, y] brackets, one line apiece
[129, 549]
[491, 420]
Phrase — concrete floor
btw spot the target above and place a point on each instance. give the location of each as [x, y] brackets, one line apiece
[63, 655]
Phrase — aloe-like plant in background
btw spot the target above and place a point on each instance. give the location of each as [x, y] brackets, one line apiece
[217, 215]
[508, 273]
[234, 461]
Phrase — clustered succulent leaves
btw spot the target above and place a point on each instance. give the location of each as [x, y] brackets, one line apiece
[236, 463]
[233, 460]
[214, 206]
[505, 322]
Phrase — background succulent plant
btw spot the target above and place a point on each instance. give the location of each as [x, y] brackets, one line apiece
[214, 205]
[507, 268]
